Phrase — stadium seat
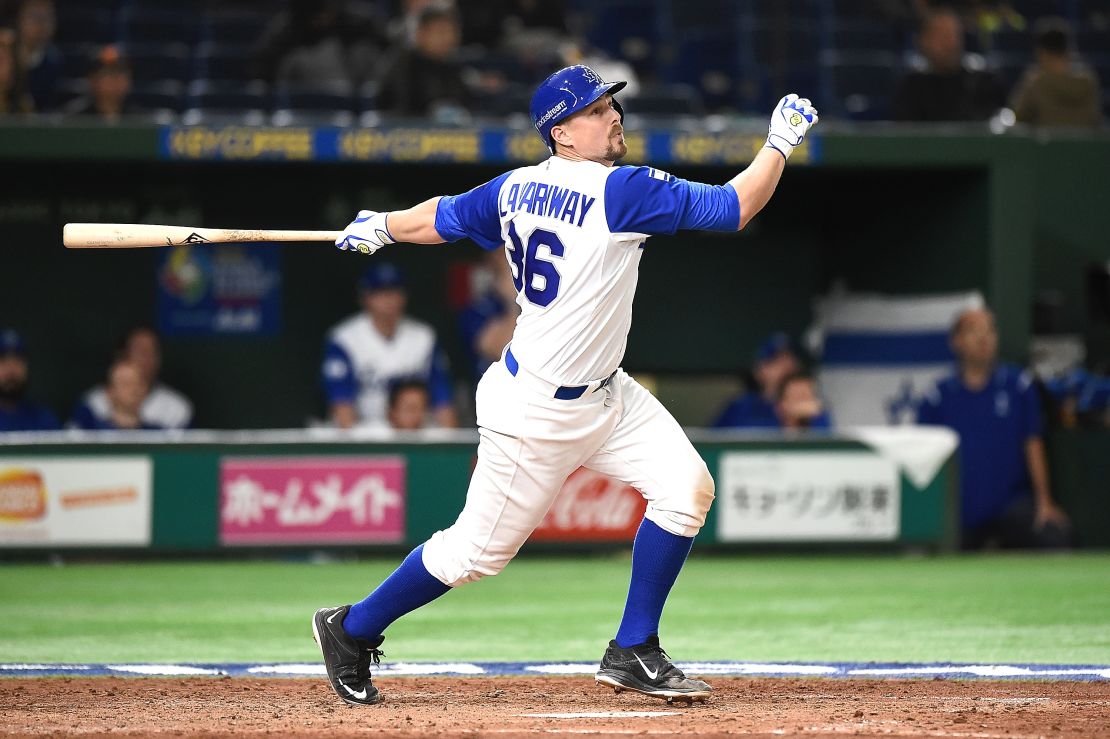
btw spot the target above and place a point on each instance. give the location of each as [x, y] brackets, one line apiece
[506, 102]
[865, 36]
[217, 117]
[711, 62]
[366, 99]
[1010, 67]
[219, 95]
[159, 26]
[76, 59]
[862, 84]
[162, 95]
[628, 30]
[222, 62]
[328, 96]
[666, 100]
[84, 26]
[241, 28]
[312, 118]
[153, 62]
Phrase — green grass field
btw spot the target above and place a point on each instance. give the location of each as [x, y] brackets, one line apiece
[991, 608]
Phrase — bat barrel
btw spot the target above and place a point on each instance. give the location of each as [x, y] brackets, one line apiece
[138, 235]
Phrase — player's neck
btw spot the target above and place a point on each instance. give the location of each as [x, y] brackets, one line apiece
[571, 155]
[976, 375]
[387, 327]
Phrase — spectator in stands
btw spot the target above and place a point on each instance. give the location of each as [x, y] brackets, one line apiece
[163, 407]
[487, 323]
[799, 406]
[378, 346]
[1057, 90]
[126, 391]
[16, 412]
[109, 88]
[13, 95]
[408, 405]
[1005, 496]
[423, 76]
[775, 360]
[495, 23]
[947, 85]
[37, 55]
[316, 41]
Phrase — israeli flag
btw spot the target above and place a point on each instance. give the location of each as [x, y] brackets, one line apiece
[880, 354]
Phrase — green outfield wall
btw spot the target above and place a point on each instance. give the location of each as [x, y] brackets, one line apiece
[201, 492]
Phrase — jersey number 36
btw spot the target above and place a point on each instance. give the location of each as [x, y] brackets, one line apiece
[527, 265]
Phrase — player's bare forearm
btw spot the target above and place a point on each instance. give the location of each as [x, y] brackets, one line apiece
[755, 185]
[416, 225]
[1038, 470]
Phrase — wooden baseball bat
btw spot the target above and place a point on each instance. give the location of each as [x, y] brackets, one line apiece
[133, 235]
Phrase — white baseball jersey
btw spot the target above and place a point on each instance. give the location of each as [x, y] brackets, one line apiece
[360, 364]
[164, 407]
[573, 233]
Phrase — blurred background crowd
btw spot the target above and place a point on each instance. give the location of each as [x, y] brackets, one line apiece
[347, 62]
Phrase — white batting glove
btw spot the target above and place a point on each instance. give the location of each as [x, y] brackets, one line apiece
[366, 233]
[793, 116]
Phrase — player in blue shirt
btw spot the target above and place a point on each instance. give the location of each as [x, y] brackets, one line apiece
[775, 359]
[377, 346]
[799, 406]
[16, 412]
[1005, 496]
[126, 391]
[487, 323]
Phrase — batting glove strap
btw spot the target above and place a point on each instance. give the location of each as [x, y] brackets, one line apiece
[793, 117]
[366, 234]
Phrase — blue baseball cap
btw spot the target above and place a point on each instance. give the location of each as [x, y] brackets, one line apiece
[773, 345]
[566, 92]
[11, 342]
[382, 276]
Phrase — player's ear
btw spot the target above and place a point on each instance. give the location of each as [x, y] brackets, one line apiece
[561, 136]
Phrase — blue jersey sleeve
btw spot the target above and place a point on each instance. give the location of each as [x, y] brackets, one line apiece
[439, 379]
[474, 215]
[650, 201]
[338, 375]
[84, 418]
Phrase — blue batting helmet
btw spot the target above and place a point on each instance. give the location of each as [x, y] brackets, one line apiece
[565, 93]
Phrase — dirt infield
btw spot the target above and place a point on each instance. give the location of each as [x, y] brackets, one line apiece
[500, 707]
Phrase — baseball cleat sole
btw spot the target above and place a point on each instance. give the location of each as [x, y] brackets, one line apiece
[619, 686]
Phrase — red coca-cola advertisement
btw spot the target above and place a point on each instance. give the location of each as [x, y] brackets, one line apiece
[593, 507]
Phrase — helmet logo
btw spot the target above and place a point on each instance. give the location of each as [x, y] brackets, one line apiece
[591, 76]
[552, 113]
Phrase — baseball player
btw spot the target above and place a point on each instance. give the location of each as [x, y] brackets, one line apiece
[573, 229]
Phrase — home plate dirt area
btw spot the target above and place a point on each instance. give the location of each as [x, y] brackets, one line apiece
[539, 706]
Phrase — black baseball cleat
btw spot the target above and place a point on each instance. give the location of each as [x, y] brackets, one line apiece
[346, 658]
[646, 668]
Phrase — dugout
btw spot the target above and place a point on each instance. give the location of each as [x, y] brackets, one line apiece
[892, 209]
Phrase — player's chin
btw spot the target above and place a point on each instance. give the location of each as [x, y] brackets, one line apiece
[617, 150]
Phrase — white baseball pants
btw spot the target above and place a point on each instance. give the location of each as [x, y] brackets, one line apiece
[531, 442]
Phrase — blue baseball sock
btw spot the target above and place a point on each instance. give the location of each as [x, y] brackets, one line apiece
[409, 587]
[657, 558]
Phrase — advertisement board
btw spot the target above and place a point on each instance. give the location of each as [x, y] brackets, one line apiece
[592, 507]
[792, 496]
[85, 501]
[312, 500]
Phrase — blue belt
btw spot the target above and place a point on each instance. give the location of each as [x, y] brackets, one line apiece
[563, 392]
